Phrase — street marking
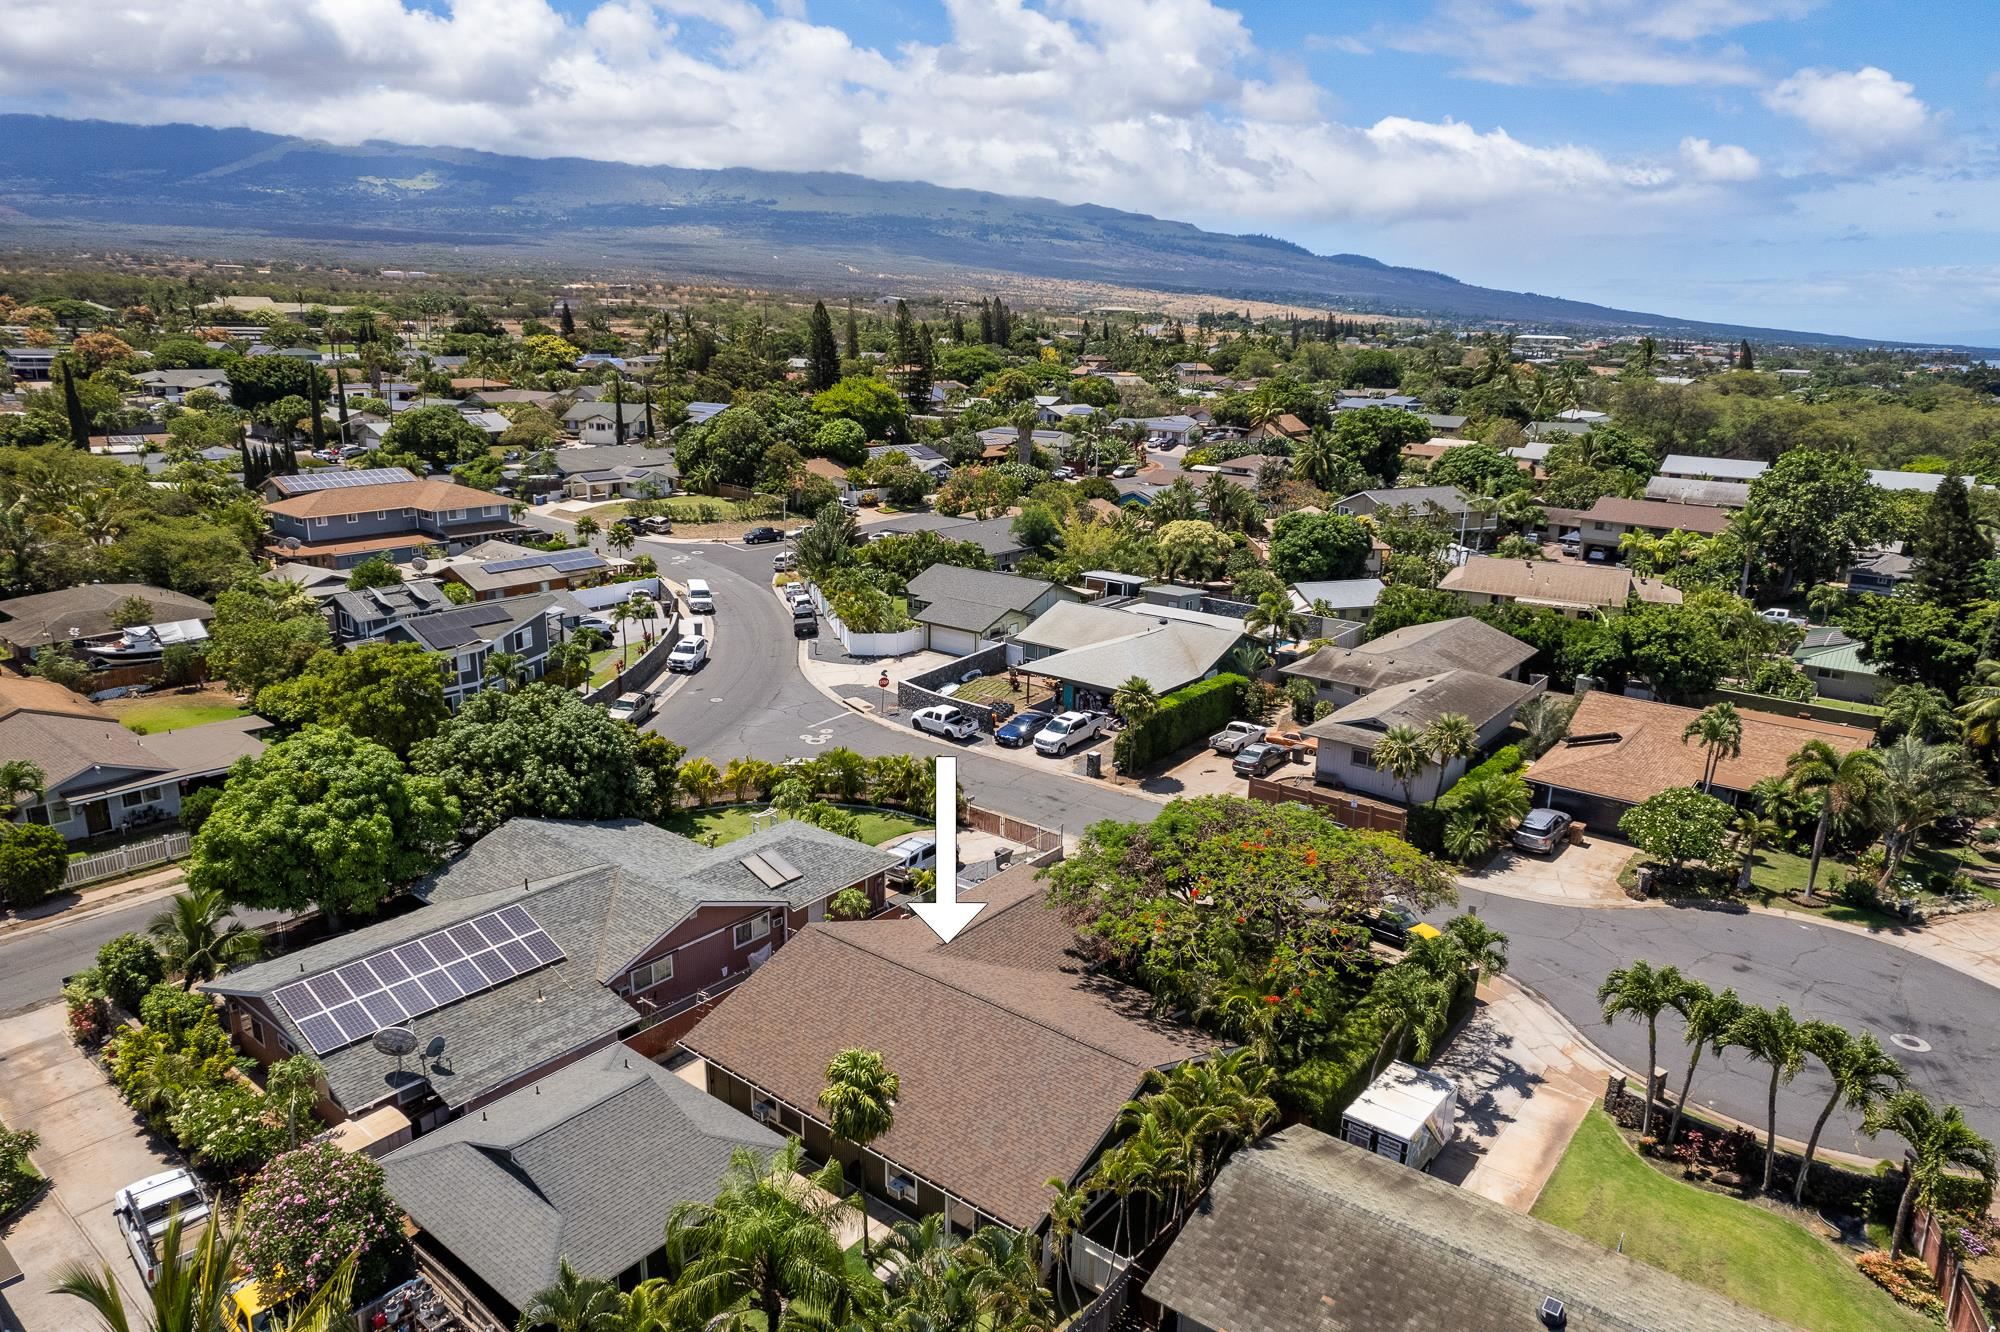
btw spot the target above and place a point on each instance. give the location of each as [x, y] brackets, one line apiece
[815, 738]
[822, 724]
[1914, 1044]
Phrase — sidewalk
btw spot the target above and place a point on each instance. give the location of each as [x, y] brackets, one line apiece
[68, 908]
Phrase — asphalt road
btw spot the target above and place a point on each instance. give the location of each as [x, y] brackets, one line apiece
[1564, 953]
[34, 960]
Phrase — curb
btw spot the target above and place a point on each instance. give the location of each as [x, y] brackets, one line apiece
[83, 911]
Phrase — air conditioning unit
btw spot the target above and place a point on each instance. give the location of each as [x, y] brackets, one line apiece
[1553, 1313]
[902, 1186]
[764, 1112]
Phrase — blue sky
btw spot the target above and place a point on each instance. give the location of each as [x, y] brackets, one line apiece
[1823, 164]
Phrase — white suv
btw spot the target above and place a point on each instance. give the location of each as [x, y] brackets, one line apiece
[944, 719]
[145, 1209]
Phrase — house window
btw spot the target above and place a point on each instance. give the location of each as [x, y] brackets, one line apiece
[38, 814]
[750, 931]
[653, 973]
[319, 522]
[1363, 758]
[409, 513]
[353, 517]
[153, 792]
[131, 800]
[381, 514]
[256, 1031]
[60, 812]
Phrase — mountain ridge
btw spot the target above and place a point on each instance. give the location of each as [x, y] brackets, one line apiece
[816, 227]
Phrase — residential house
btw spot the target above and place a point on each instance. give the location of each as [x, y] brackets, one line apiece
[1695, 467]
[174, 385]
[30, 364]
[365, 615]
[1923, 483]
[1303, 1232]
[83, 616]
[1444, 423]
[542, 942]
[1556, 431]
[1282, 426]
[495, 397]
[1014, 1053]
[606, 472]
[598, 422]
[1087, 652]
[964, 610]
[920, 456]
[1057, 413]
[1837, 668]
[1193, 372]
[1159, 431]
[1450, 504]
[1603, 526]
[317, 583]
[1880, 571]
[1621, 751]
[1573, 589]
[1340, 675]
[1345, 598]
[583, 1166]
[995, 536]
[1534, 456]
[1347, 737]
[1003, 443]
[339, 519]
[98, 777]
[468, 637]
[494, 570]
[1355, 402]
[1715, 494]
[700, 412]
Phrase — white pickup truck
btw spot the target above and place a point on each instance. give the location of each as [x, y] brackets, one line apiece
[1068, 730]
[1232, 738]
[145, 1209]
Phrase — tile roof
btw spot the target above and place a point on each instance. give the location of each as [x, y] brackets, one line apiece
[1005, 1008]
[583, 1165]
[1305, 1233]
[1415, 651]
[1555, 583]
[1480, 699]
[47, 617]
[1629, 749]
[431, 495]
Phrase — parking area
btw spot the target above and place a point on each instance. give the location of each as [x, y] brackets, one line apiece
[1582, 873]
[1208, 773]
[92, 1146]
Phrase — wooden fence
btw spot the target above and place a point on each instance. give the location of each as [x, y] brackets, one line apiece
[124, 859]
[1344, 807]
[1963, 1311]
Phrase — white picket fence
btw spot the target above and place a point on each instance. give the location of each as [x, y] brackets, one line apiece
[125, 859]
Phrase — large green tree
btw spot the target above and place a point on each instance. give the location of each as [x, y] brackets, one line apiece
[391, 693]
[1822, 509]
[440, 435]
[822, 351]
[1677, 825]
[870, 403]
[536, 752]
[322, 819]
[263, 633]
[1949, 548]
[1312, 547]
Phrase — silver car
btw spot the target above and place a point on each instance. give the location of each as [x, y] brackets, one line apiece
[1542, 831]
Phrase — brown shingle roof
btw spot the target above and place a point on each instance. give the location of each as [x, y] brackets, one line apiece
[1641, 753]
[1701, 518]
[1553, 583]
[19, 693]
[429, 494]
[1014, 1062]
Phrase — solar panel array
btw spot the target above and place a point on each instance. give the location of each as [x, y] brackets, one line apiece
[337, 479]
[771, 869]
[564, 561]
[352, 1002]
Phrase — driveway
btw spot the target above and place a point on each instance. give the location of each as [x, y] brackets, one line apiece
[92, 1145]
[1583, 874]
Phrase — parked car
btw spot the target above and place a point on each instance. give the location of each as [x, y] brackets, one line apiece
[783, 561]
[700, 599]
[850, 503]
[1395, 923]
[944, 719]
[1260, 758]
[1571, 543]
[1020, 729]
[1124, 470]
[657, 525]
[598, 623]
[634, 707]
[1232, 738]
[1543, 830]
[1779, 615]
[688, 654]
[758, 536]
[794, 533]
[805, 621]
[1064, 474]
[145, 1209]
[1067, 731]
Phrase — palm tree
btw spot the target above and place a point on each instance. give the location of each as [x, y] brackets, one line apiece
[1416, 995]
[586, 528]
[1845, 783]
[1752, 827]
[1317, 460]
[1862, 1072]
[1001, 1272]
[1770, 1036]
[1979, 706]
[573, 1304]
[1941, 1143]
[504, 670]
[1921, 784]
[195, 942]
[1487, 805]
[1708, 1017]
[1275, 616]
[1485, 948]
[620, 538]
[1069, 1208]
[1918, 710]
[1544, 719]
[1400, 753]
[1449, 737]
[1135, 701]
[194, 1282]
[642, 1309]
[638, 606]
[860, 1103]
[19, 777]
[1642, 992]
[1720, 731]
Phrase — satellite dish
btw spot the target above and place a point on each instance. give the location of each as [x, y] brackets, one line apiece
[419, 563]
[435, 1050]
[397, 1041]
[291, 543]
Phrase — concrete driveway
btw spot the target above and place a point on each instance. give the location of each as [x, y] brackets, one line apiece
[1584, 874]
[92, 1145]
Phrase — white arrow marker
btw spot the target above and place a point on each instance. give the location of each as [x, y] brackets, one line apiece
[947, 916]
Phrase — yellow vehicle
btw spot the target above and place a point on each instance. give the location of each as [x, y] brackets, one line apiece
[250, 1308]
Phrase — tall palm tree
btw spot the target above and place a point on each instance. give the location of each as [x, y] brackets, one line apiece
[860, 1103]
[1719, 728]
[1921, 784]
[1708, 1016]
[1069, 1208]
[1485, 948]
[199, 936]
[1642, 992]
[1918, 710]
[1135, 701]
[1400, 753]
[1449, 737]
[1863, 1074]
[1770, 1036]
[573, 1304]
[586, 528]
[193, 1283]
[1845, 784]
[1274, 615]
[1754, 529]
[19, 777]
[1001, 1270]
[1979, 706]
[1751, 828]
[1941, 1145]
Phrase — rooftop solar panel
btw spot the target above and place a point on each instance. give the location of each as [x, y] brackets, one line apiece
[322, 1033]
[517, 919]
[333, 479]
[767, 874]
[784, 867]
[563, 561]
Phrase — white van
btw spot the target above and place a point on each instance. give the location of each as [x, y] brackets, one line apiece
[700, 600]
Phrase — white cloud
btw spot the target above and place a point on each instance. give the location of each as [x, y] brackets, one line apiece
[1865, 115]
[1722, 162]
[1597, 42]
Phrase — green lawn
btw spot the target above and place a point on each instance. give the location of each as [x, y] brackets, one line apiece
[1602, 1191]
[604, 661]
[171, 712]
[1777, 873]
[729, 822]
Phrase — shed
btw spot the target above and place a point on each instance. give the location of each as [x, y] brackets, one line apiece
[1407, 1114]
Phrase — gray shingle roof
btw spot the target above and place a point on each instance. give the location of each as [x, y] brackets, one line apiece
[415, 596]
[584, 1165]
[1415, 651]
[482, 622]
[972, 598]
[1477, 698]
[48, 617]
[1305, 1233]
[1167, 653]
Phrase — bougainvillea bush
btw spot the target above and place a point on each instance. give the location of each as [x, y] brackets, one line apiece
[310, 1208]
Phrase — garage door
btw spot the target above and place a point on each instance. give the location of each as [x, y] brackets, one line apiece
[958, 642]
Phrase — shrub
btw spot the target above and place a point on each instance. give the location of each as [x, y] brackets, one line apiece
[169, 1009]
[33, 860]
[1186, 716]
[1906, 1279]
[89, 1015]
[180, 665]
[127, 967]
[19, 1181]
[197, 805]
[227, 1126]
[848, 904]
[310, 1208]
[1425, 825]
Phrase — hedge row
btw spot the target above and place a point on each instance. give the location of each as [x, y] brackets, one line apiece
[1425, 829]
[1187, 715]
